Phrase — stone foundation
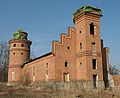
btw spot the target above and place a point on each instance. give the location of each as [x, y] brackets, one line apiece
[78, 86]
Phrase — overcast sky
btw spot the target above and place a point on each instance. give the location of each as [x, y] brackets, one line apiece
[44, 20]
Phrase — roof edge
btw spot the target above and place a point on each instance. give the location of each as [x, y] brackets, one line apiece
[42, 56]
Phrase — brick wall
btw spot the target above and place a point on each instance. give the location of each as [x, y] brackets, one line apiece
[39, 69]
[116, 79]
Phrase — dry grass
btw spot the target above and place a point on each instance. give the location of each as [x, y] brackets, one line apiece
[11, 92]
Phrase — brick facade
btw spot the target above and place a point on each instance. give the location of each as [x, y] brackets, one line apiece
[78, 56]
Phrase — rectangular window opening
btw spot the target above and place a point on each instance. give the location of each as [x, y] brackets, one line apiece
[80, 45]
[66, 64]
[94, 63]
[66, 77]
[22, 45]
[93, 46]
[46, 76]
[95, 81]
[46, 65]
[14, 45]
[13, 76]
[91, 29]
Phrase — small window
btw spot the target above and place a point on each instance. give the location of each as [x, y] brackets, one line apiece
[46, 72]
[46, 65]
[80, 45]
[68, 47]
[46, 76]
[14, 45]
[21, 53]
[80, 32]
[94, 81]
[66, 77]
[66, 64]
[91, 29]
[13, 76]
[80, 63]
[22, 45]
[94, 63]
[93, 46]
[13, 52]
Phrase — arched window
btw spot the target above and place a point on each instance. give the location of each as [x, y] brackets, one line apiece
[68, 47]
[91, 29]
[80, 32]
[93, 47]
[66, 64]
[14, 45]
[22, 45]
[46, 65]
[80, 45]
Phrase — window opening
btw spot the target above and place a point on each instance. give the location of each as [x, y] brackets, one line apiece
[80, 45]
[66, 77]
[94, 81]
[80, 32]
[80, 63]
[66, 64]
[93, 46]
[91, 29]
[14, 45]
[46, 75]
[46, 72]
[94, 63]
[68, 47]
[46, 65]
[22, 45]
[13, 76]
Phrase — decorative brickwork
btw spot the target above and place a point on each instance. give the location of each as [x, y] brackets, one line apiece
[77, 57]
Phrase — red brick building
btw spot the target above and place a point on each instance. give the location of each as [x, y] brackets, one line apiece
[78, 56]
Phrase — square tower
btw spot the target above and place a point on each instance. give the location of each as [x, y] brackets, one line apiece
[88, 45]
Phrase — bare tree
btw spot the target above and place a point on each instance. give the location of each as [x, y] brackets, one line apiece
[4, 60]
[114, 70]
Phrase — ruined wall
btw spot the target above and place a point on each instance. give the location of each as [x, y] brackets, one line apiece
[65, 58]
[19, 53]
[116, 79]
[42, 69]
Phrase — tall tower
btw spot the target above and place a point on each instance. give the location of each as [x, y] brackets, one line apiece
[88, 41]
[19, 53]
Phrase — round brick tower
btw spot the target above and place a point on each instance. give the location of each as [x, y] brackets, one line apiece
[19, 48]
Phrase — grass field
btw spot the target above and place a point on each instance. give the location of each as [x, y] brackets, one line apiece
[12, 92]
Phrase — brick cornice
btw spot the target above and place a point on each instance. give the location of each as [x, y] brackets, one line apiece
[20, 41]
[88, 53]
[20, 49]
[14, 66]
